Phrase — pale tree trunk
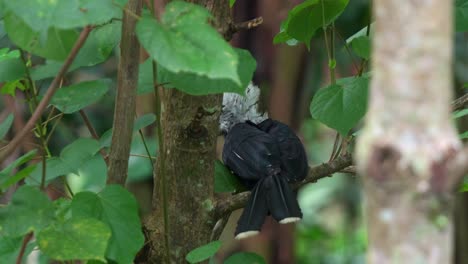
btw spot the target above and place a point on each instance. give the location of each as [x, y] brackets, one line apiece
[408, 140]
[182, 218]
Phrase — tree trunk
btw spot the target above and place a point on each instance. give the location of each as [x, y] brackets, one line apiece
[408, 138]
[186, 180]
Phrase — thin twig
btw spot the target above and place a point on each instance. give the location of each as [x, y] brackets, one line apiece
[460, 103]
[93, 133]
[219, 227]
[26, 240]
[47, 97]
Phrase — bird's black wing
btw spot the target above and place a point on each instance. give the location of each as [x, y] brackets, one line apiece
[250, 153]
[293, 156]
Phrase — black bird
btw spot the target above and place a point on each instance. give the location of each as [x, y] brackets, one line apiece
[265, 157]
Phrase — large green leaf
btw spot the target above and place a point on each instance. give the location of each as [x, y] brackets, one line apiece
[186, 42]
[304, 19]
[41, 15]
[72, 158]
[116, 207]
[461, 15]
[245, 258]
[225, 181]
[204, 252]
[5, 125]
[29, 210]
[56, 44]
[75, 97]
[77, 238]
[199, 85]
[342, 105]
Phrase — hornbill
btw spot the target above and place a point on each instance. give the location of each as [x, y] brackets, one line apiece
[265, 155]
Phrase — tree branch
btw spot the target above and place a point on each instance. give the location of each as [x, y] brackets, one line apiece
[47, 97]
[125, 101]
[460, 103]
[316, 173]
[233, 28]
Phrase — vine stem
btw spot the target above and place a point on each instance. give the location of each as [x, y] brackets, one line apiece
[16, 141]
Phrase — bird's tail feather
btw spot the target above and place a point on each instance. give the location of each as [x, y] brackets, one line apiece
[254, 213]
[282, 202]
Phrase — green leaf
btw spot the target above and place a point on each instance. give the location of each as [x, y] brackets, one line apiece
[304, 19]
[231, 3]
[144, 121]
[91, 176]
[139, 167]
[141, 122]
[225, 181]
[72, 158]
[204, 252]
[461, 15]
[245, 258]
[75, 97]
[463, 135]
[361, 46]
[97, 48]
[11, 69]
[20, 161]
[283, 37]
[361, 33]
[460, 113]
[199, 85]
[99, 45]
[77, 238]
[117, 208]
[10, 87]
[185, 42]
[5, 125]
[145, 77]
[8, 178]
[43, 15]
[29, 210]
[6, 54]
[10, 248]
[5, 184]
[342, 105]
[56, 44]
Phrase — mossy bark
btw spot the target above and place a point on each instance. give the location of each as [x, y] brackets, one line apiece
[186, 179]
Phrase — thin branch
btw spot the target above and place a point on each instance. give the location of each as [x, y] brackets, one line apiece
[460, 103]
[48, 95]
[94, 134]
[26, 240]
[316, 173]
[246, 25]
[219, 227]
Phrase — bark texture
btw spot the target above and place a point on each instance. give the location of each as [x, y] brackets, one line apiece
[408, 138]
[186, 179]
[124, 112]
